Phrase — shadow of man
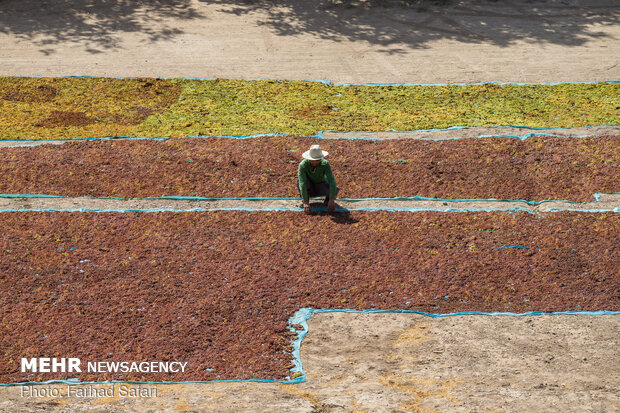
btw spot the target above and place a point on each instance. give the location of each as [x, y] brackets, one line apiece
[339, 216]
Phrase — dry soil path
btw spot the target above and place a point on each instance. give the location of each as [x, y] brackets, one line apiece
[376, 41]
[604, 203]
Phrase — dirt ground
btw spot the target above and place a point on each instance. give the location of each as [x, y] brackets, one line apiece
[472, 132]
[356, 362]
[604, 203]
[375, 41]
[406, 363]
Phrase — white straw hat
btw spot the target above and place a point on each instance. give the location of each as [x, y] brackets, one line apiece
[315, 153]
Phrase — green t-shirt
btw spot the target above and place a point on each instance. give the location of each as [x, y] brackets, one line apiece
[322, 173]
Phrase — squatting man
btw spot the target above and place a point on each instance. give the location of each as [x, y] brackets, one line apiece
[315, 178]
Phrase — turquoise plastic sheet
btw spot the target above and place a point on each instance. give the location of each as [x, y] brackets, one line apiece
[301, 316]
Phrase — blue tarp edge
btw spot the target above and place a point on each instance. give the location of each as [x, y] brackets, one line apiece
[596, 197]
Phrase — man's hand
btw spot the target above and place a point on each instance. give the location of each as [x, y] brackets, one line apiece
[307, 208]
[331, 204]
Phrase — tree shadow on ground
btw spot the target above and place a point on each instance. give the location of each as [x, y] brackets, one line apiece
[95, 24]
[394, 25]
[400, 24]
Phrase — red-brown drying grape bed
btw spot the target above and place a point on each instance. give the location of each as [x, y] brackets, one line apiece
[536, 169]
[215, 289]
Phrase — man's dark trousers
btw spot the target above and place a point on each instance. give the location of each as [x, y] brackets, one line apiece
[319, 189]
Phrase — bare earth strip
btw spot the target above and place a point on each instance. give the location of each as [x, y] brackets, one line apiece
[424, 134]
[404, 362]
[476, 133]
[605, 203]
[365, 41]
